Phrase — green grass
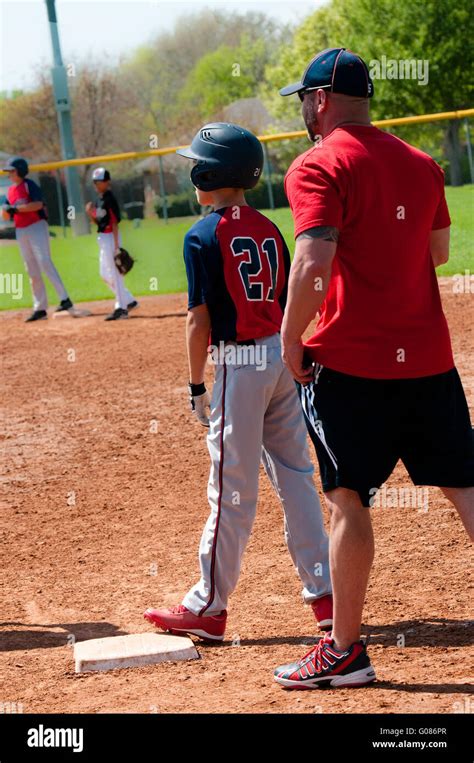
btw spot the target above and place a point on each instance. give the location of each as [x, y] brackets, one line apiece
[461, 208]
[158, 250]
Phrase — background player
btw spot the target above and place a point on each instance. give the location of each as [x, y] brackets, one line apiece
[237, 265]
[105, 212]
[26, 208]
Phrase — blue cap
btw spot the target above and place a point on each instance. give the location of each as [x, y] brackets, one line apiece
[338, 70]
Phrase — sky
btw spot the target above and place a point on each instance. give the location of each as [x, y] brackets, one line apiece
[90, 28]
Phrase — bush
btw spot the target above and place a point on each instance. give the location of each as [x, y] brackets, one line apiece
[259, 198]
[178, 205]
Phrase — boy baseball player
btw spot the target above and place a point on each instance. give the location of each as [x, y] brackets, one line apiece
[26, 208]
[237, 265]
[105, 212]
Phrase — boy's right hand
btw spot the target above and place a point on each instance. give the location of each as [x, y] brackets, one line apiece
[200, 402]
[8, 210]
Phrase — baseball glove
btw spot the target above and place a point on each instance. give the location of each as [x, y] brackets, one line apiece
[9, 209]
[123, 261]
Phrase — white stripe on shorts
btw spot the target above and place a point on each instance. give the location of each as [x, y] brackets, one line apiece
[307, 400]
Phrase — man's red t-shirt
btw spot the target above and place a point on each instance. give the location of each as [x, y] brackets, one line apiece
[382, 317]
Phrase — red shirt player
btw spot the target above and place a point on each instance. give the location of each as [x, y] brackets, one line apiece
[26, 208]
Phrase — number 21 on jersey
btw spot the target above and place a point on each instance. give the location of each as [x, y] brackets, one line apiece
[251, 266]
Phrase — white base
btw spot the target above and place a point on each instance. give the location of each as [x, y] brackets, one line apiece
[132, 651]
[74, 312]
[202, 634]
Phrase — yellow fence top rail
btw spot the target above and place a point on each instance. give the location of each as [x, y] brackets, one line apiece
[264, 138]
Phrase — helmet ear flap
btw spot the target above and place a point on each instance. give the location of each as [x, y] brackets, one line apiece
[195, 176]
[204, 179]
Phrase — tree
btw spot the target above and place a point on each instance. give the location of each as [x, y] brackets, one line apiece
[158, 72]
[402, 30]
[428, 32]
[317, 32]
[29, 125]
[219, 78]
[100, 112]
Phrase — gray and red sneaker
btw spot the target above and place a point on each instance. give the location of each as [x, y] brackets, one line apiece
[322, 609]
[178, 620]
[324, 665]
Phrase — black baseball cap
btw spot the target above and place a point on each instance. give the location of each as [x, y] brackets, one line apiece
[338, 70]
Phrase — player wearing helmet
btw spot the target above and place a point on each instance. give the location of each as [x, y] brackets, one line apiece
[25, 207]
[237, 264]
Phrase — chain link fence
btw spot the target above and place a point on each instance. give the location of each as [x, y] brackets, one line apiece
[158, 186]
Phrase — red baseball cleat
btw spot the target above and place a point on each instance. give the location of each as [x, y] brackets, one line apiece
[324, 665]
[322, 609]
[179, 620]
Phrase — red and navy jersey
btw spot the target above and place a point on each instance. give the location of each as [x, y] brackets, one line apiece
[106, 212]
[24, 193]
[237, 263]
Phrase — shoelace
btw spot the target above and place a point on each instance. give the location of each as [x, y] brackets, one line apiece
[178, 610]
[318, 658]
[181, 609]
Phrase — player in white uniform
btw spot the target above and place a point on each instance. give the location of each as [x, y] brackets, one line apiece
[105, 212]
[237, 265]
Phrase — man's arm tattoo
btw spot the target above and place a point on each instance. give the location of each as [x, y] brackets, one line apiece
[324, 232]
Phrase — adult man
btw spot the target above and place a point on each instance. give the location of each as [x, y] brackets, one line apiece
[25, 207]
[371, 225]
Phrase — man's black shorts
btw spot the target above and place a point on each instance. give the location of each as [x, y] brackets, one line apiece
[362, 427]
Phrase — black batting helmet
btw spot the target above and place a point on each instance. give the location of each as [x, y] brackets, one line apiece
[19, 164]
[226, 156]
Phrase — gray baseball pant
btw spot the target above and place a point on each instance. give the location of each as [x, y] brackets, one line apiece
[256, 415]
[36, 252]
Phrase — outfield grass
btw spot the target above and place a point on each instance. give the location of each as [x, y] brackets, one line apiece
[158, 250]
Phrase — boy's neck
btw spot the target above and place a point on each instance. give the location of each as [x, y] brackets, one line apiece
[228, 197]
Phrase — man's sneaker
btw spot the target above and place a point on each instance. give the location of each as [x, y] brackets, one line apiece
[180, 620]
[132, 305]
[118, 314]
[322, 609]
[65, 304]
[326, 666]
[37, 315]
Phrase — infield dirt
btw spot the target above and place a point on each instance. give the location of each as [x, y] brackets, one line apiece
[104, 503]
